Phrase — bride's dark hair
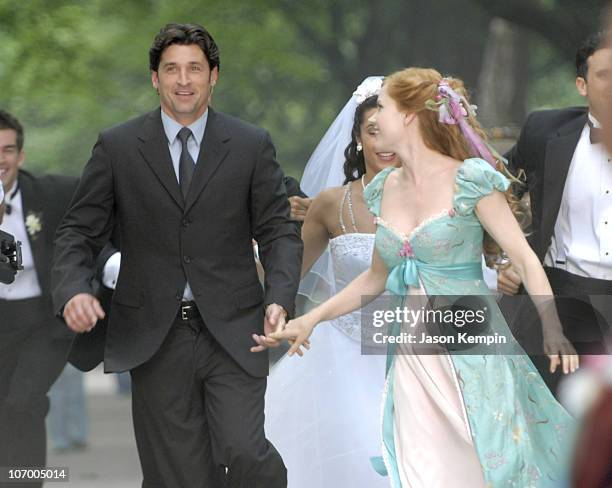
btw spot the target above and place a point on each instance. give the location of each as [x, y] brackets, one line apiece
[354, 164]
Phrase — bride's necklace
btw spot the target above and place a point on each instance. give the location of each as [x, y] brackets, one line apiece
[363, 185]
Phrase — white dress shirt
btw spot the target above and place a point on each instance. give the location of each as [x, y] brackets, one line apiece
[172, 128]
[26, 283]
[110, 273]
[582, 240]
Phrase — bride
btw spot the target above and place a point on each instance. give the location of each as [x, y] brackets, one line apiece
[327, 404]
[473, 418]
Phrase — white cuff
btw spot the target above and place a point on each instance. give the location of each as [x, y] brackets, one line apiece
[256, 252]
[110, 273]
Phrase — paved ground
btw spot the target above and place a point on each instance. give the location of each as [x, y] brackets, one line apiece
[111, 460]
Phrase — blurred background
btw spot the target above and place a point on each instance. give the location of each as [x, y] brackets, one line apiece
[70, 69]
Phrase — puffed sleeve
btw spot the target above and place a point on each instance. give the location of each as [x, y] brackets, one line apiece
[476, 178]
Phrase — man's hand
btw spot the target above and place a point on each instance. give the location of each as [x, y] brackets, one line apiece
[299, 207]
[508, 280]
[274, 321]
[82, 312]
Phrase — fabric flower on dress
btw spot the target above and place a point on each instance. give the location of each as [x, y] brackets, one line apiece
[406, 251]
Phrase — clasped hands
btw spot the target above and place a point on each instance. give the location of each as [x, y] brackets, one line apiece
[296, 332]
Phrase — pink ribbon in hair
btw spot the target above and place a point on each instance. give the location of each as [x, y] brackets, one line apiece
[455, 112]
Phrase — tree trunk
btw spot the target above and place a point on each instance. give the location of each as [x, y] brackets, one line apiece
[503, 81]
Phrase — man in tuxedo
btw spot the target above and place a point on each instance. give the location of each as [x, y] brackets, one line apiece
[34, 344]
[569, 178]
[188, 188]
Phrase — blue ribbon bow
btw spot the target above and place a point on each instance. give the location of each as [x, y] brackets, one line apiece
[406, 273]
[403, 275]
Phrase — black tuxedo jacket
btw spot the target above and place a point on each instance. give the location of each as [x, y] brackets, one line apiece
[45, 198]
[236, 193]
[544, 151]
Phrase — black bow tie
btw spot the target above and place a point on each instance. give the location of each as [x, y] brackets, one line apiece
[8, 208]
[594, 133]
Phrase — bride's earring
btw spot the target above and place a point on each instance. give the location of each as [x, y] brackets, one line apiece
[359, 147]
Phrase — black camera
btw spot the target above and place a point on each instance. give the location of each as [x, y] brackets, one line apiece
[10, 257]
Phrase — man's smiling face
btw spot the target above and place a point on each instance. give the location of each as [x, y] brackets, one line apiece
[184, 81]
[11, 158]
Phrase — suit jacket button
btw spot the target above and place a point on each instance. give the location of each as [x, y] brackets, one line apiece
[187, 259]
[185, 222]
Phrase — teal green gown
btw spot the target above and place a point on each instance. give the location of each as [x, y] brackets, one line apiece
[519, 432]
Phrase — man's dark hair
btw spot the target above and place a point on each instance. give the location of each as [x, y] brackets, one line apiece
[594, 43]
[7, 121]
[184, 34]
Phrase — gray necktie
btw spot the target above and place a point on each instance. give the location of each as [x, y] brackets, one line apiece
[186, 164]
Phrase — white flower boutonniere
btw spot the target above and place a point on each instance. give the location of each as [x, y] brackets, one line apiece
[33, 224]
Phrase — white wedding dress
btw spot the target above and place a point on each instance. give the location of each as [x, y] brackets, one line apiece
[323, 409]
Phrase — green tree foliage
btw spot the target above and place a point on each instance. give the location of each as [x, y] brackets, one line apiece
[71, 68]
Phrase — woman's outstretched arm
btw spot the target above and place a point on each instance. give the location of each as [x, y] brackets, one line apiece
[362, 290]
[499, 221]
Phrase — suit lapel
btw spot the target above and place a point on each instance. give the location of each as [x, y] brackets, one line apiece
[213, 150]
[559, 153]
[33, 206]
[154, 149]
